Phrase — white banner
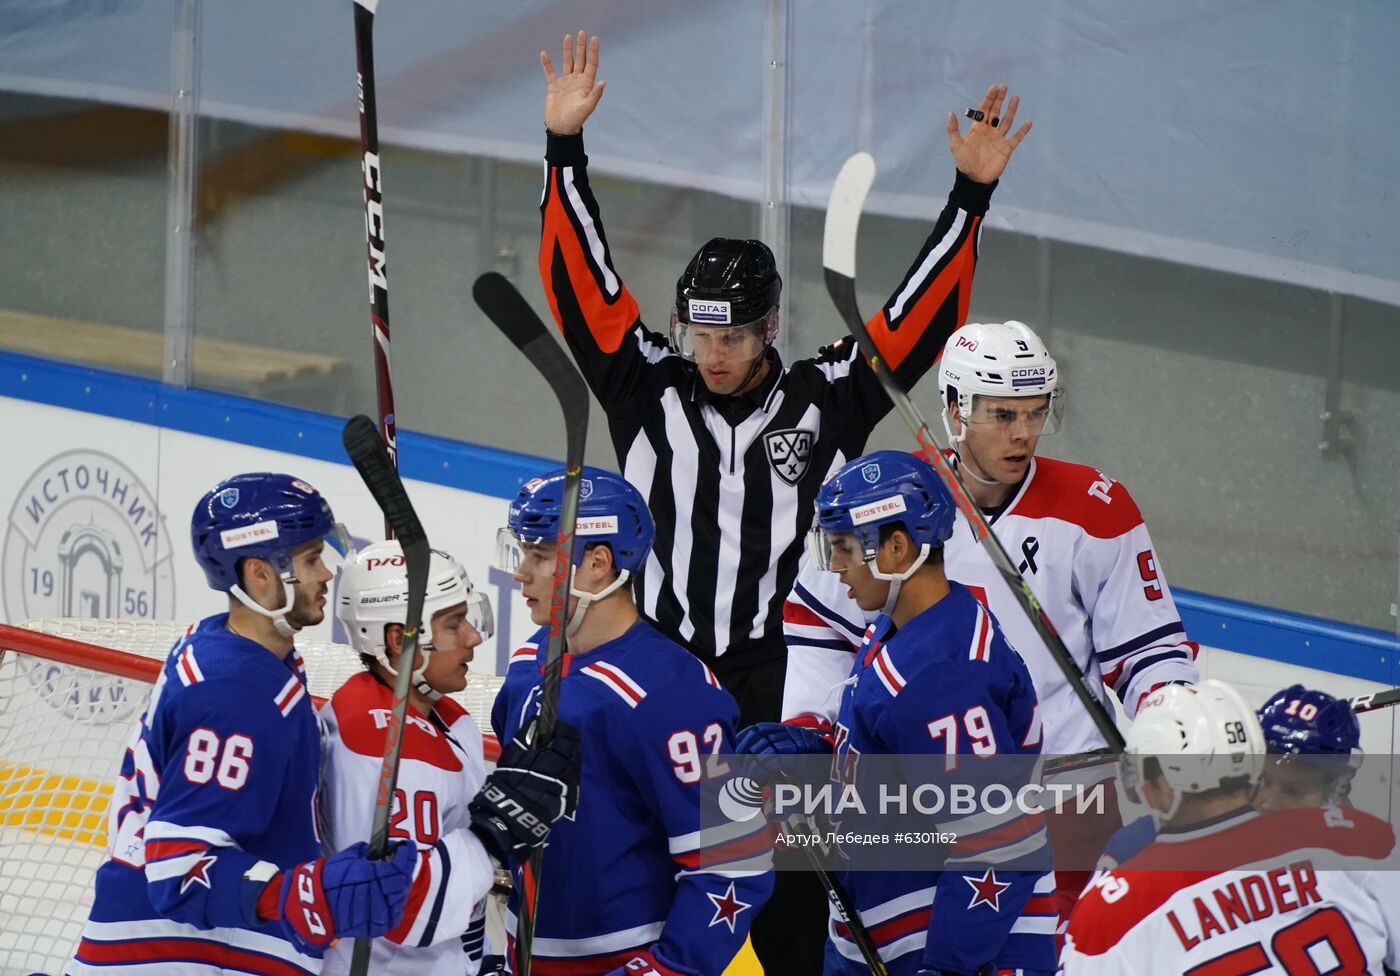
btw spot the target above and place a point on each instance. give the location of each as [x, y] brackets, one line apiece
[98, 514]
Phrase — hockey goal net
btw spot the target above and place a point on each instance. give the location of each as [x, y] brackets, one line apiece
[70, 693]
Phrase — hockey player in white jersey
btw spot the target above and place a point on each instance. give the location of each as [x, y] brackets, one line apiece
[214, 862]
[1226, 890]
[441, 767]
[1081, 544]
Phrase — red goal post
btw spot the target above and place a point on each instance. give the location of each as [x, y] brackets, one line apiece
[71, 691]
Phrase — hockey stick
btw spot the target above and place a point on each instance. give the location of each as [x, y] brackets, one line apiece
[845, 908]
[1371, 702]
[376, 468]
[374, 228]
[839, 262]
[510, 313]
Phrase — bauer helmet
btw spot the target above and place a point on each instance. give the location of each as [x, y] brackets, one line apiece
[1312, 728]
[1201, 737]
[1001, 359]
[728, 283]
[373, 593]
[610, 512]
[265, 516]
[882, 488]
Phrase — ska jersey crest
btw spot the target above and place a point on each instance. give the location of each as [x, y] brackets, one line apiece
[871, 473]
[585, 488]
[789, 453]
[229, 497]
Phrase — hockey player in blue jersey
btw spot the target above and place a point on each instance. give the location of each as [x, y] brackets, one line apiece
[934, 675]
[627, 885]
[214, 862]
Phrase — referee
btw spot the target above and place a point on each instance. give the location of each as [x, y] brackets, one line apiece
[728, 443]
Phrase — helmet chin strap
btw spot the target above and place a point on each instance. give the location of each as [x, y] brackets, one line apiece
[278, 616]
[956, 441]
[420, 683]
[897, 579]
[585, 599]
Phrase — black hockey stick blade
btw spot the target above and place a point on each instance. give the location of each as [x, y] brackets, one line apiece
[839, 264]
[512, 314]
[509, 312]
[371, 459]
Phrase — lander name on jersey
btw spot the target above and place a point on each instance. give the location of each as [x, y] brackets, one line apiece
[1268, 907]
[731, 482]
[441, 767]
[932, 687]
[628, 872]
[1082, 545]
[220, 774]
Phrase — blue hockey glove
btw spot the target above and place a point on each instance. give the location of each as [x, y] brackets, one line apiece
[345, 895]
[527, 792]
[767, 743]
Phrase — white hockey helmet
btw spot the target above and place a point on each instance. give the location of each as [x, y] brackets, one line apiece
[999, 359]
[373, 592]
[1201, 736]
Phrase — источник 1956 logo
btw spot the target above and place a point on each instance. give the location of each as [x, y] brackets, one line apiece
[85, 539]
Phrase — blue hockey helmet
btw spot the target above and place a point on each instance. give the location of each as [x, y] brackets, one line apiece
[1301, 722]
[258, 515]
[884, 488]
[610, 510]
[1314, 729]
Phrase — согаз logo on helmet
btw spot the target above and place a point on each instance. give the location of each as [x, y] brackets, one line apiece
[85, 539]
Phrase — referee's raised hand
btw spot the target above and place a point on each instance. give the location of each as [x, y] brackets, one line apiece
[574, 91]
[986, 149]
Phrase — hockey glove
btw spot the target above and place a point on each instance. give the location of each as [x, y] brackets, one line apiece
[528, 791]
[345, 895]
[768, 743]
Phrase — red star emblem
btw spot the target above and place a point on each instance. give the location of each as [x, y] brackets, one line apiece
[199, 874]
[987, 889]
[727, 907]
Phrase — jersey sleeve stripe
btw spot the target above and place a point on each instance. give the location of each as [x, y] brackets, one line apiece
[163, 830]
[981, 647]
[159, 850]
[617, 682]
[831, 644]
[188, 668]
[292, 692]
[1154, 636]
[172, 952]
[889, 674]
[857, 631]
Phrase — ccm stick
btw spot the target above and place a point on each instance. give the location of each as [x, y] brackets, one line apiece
[839, 263]
[376, 468]
[510, 313]
[374, 228]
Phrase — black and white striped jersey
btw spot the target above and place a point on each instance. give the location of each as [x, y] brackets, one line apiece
[731, 486]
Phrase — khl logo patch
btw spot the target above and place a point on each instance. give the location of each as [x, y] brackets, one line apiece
[789, 452]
